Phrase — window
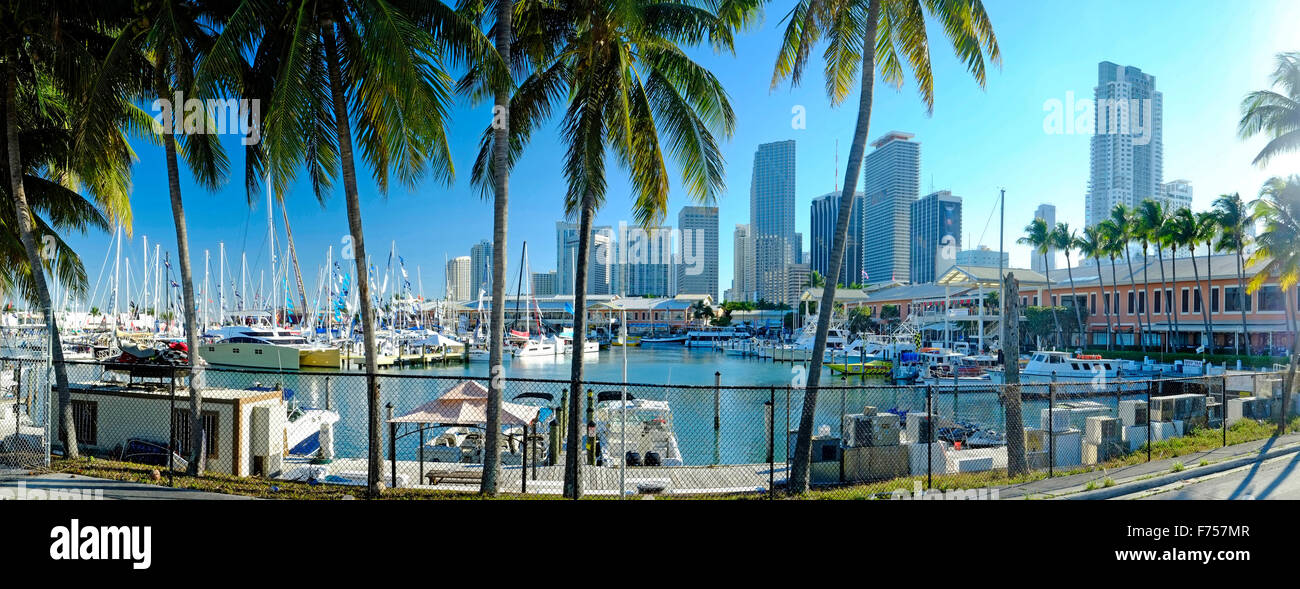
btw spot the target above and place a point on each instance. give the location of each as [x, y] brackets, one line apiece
[85, 418]
[1092, 304]
[1130, 302]
[1271, 299]
[1155, 303]
[1214, 300]
[1185, 299]
[1142, 302]
[182, 432]
[1232, 297]
[1169, 300]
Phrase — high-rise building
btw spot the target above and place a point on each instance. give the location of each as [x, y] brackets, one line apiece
[891, 182]
[458, 278]
[983, 256]
[742, 269]
[1127, 147]
[936, 235]
[1175, 195]
[645, 261]
[543, 283]
[600, 266]
[771, 218]
[800, 278]
[1047, 213]
[697, 270]
[825, 214]
[480, 273]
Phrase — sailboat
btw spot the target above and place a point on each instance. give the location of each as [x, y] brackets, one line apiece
[527, 346]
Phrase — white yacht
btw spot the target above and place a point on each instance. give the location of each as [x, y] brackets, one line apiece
[713, 337]
[1045, 367]
[266, 347]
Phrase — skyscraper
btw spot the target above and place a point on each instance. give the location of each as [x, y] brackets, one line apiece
[1047, 213]
[458, 279]
[480, 273]
[936, 231]
[566, 251]
[825, 213]
[771, 216]
[697, 270]
[1127, 146]
[645, 261]
[543, 283]
[1175, 195]
[891, 182]
[600, 267]
[742, 269]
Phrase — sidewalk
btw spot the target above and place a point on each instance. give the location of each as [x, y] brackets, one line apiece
[66, 486]
[1130, 476]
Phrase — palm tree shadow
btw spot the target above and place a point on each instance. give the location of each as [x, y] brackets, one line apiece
[1254, 469]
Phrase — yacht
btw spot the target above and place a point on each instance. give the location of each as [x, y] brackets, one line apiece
[267, 347]
[1049, 366]
[712, 337]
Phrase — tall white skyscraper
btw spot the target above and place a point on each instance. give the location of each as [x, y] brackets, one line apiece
[697, 270]
[480, 274]
[458, 279]
[1127, 146]
[771, 218]
[1047, 213]
[600, 267]
[645, 261]
[742, 269]
[891, 182]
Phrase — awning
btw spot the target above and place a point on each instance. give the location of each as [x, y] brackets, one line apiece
[466, 404]
[1223, 327]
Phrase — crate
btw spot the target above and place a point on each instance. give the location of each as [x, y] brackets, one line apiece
[1102, 430]
[1067, 447]
[1133, 413]
[919, 427]
[1059, 418]
[875, 463]
[1035, 440]
[974, 463]
[1164, 430]
[1135, 435]
[1098, 453]
[932, 457]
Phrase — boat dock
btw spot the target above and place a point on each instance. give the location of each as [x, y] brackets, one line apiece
[407, 360]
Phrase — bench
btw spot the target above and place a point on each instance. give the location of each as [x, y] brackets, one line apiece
[458, 476]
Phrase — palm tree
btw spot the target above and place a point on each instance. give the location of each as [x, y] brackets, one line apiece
[50, 52]
[1115, 244]
[627, 84]
[1279, 247]
[1182, 231]
[169, 38]
[1233, 218]
[1207, 228]
[1064, 239]
[1092, 244]
[864, 37]
[1148, 217]
[1123, 229]
[330, 64]
[1276, 114]
[1038, 236]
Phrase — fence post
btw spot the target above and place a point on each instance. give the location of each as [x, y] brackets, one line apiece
[1149, 420]
[929, 438]
[171, 439]
[843, 398]
[1051, 428]
[1223, 407]
[392, 445]
[327, 394]
[717, 417]
[771, 444]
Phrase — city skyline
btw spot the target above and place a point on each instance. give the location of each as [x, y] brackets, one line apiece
[975, 142]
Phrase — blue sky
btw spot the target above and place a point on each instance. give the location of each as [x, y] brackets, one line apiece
[1205, 55]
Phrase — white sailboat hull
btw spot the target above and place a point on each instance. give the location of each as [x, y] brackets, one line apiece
[246, 355]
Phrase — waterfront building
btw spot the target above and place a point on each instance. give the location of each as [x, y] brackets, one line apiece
[697, 267]
[458, 278]
[1127, 145]
[891, 182]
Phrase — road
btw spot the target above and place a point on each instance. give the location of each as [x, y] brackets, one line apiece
[1271, 479]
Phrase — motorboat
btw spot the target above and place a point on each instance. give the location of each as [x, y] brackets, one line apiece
[1051, 366]
[266, 347]
[669, 340]
[712, 337]
[646, 426]
[303, 423]
[870, 368]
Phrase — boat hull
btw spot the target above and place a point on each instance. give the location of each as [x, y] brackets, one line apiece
[320, 358]
[247, 355]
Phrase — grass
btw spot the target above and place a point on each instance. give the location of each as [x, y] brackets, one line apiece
[1178, 467]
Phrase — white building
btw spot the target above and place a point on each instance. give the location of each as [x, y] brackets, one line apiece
[458, 279]
[697, 267]
[1127, 147]
[1047, 213]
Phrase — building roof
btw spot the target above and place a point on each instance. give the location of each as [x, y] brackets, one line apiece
[986, 276]
[913, 292]
[1221, 267]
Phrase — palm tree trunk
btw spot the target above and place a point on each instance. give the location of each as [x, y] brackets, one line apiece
[1146, 290]
[1141, 338]
[1205, 296]
[1205, 302]
[1055, 320]
[1169, 304]
[198, 450]
[799, 467]
[1173, 270]
[343, 129]
[22, 212]
[1114, 299]
[1074, 301]
[500, 207]
[1105, 303]
[574, 452]
[1241, 295]
[1289, 383]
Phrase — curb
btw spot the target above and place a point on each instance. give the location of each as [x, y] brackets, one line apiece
[1162, 480]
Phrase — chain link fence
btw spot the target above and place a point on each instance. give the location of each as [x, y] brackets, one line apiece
[870, 439]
